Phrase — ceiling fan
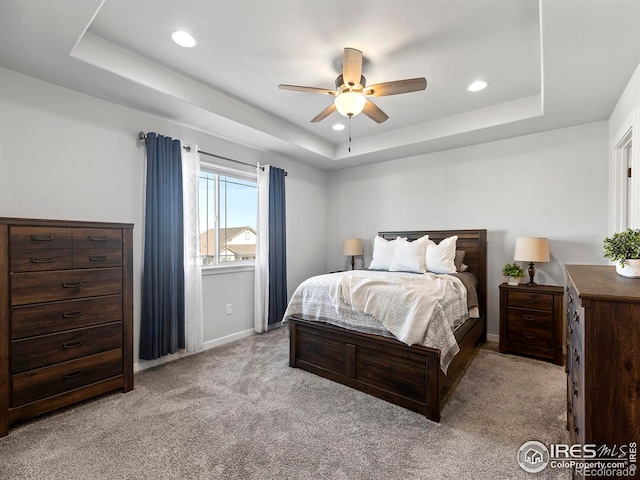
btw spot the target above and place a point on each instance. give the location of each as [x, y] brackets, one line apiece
[351, 91]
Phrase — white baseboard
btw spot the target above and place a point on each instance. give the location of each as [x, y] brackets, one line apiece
[139, 366]
[492, 337]
[228, 339]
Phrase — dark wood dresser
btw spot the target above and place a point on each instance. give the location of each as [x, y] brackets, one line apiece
[603, 356]
[66, 314]
[531, 318]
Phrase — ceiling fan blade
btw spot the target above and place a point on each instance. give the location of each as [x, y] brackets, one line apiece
[372, 111]
[394, 88]
[298, 88]
[325, 113]
[352, 66]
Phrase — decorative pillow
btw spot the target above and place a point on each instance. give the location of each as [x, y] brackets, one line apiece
[440, 258]
[382, 253]
[458, 259]
[410, 256]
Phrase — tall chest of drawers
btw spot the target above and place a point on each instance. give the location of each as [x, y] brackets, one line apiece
[66, 314]
[603, 356]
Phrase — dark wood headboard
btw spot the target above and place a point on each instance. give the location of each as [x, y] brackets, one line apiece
[473, 242]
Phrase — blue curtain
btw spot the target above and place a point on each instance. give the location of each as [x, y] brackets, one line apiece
[277, 246]
[162, 329]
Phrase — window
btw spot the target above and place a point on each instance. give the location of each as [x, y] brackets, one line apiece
[228, 217]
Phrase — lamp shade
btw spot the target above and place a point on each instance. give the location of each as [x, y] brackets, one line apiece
[349, 103]
[352, 246]
[531, 249]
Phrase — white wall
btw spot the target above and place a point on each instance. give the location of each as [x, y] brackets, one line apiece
[623, 118]
[551, 184]
[65, 155]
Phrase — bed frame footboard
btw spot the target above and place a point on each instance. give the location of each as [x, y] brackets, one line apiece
[383, 367]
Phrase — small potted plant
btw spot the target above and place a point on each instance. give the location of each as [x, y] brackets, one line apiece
[513, 272]
[623, 248]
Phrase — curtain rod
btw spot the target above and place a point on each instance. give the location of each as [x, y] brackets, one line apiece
[143, 136]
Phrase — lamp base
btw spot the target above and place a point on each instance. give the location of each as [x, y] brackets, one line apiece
[532, 272]
[353, 262]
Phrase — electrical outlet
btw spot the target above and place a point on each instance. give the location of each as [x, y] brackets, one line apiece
[229, 310]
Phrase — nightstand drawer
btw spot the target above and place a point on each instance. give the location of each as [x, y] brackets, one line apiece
[519, 317]
[531, 336]
[537, 301]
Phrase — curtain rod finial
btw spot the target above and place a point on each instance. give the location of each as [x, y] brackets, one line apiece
[142, 136]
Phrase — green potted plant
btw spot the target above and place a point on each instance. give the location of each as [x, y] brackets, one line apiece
[623, 248]
[513, 272]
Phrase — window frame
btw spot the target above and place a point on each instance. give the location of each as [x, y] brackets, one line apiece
[237, 265]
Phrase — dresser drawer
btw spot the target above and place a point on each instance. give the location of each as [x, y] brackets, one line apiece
[41, 260]
[47, 381]
[45, 350]
[537, 301]
[39, 238]
[31, 320]
[96, 258]
[97, 238]
[40, 287]
[534, 337]
[519, 317]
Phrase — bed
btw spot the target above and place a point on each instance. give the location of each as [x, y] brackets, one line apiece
[408, 376]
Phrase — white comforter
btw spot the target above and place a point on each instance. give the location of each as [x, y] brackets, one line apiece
[416, 309]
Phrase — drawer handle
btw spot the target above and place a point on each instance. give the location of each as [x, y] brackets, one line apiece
[98, 238]
[528, 335]
[42, 238]
[41, 260]
[529, 318]
[72, 284]
[77, 373]
[97, 258]
[72, 344]
[75, 314]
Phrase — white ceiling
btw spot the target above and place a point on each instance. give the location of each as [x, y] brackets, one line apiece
[549, 64]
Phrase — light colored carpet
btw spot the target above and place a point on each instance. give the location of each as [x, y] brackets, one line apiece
[239, 412]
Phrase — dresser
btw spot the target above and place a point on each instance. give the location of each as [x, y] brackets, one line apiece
[66, 314]
[603, 356]
[531, 319]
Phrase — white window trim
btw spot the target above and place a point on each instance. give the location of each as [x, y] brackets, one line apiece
[240, 265]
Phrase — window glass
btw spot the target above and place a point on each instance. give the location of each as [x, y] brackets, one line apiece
[228, 217]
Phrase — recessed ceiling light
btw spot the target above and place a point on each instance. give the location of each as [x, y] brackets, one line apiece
[183, 39]
[338, 126]
[477, 86]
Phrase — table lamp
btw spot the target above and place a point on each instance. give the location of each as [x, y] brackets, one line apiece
[353, 247]
[531, 249]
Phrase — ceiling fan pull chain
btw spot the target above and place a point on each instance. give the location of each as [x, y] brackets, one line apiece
[350, 133]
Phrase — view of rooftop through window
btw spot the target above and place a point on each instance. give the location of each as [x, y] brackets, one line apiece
[228, 218]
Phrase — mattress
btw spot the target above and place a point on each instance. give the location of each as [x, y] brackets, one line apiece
[424, 309]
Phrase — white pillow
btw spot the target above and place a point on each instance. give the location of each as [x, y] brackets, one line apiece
[382, 253]
[440, 257]
[410, 256]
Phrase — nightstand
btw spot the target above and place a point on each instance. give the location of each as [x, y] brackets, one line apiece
[531, 320]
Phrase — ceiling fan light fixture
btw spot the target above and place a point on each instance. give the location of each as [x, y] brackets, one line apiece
[183, 39]
[350, 103]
